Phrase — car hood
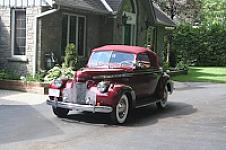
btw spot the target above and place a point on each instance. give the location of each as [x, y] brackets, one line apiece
[90, 74]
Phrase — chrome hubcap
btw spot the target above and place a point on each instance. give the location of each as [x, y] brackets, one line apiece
[122, 109]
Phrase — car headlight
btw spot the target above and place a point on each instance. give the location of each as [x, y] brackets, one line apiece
[58, 83]
[103, 86]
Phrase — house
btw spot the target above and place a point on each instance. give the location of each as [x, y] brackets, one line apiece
[31, 30]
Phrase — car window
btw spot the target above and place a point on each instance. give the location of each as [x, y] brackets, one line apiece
[100, 59]
[111, 59]
[118, 57]
[144, 59]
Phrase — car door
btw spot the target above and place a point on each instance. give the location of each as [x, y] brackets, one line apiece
[145, 78]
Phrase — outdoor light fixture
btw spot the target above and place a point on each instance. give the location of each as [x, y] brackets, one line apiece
[124, 19]
[50, 60]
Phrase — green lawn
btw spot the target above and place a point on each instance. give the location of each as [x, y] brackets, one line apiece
[203, 74]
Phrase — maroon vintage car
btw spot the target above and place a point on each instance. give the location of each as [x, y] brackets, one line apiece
[117, 79]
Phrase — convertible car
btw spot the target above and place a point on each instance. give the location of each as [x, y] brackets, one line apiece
[116, 80]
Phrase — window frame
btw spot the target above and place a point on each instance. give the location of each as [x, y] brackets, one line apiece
[13, 34]
[77, 33]
[149, 62]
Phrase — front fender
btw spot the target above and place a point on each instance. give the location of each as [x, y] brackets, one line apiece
[113, 95]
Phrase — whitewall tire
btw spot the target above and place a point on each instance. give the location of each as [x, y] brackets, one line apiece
[163, 102]
[121, 111]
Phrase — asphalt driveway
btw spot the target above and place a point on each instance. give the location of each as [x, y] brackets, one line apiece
[194, 119]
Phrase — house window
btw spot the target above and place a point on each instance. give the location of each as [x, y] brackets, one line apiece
[73, 31]
[18, 19]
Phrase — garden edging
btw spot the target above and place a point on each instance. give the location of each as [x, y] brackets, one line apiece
[25, 86]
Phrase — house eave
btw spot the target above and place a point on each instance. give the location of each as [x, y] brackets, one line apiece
[91, 11]
[162, 23]
[160, 17]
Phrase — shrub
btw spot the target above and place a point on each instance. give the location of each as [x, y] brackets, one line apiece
[9, 75]
[202, 46]
[71, 58]
[57, 72]
[165, 66]
[39, 77]
[181, 66]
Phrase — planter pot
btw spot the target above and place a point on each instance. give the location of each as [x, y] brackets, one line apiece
[34, 87]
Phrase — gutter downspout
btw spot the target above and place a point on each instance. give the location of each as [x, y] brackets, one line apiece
[35, 34]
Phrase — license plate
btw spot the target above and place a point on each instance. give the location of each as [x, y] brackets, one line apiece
[54, 92]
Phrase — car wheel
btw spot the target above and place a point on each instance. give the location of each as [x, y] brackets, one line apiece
[60, 112]
[163, 102]
[121, 110]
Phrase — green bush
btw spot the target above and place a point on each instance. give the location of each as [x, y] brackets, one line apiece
[8, 75]
[57, 72]
[39, 77]
[71, 57]
[165, 66]
[202, 46]
[181, 66]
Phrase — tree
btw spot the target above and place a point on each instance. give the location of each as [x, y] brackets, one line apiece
[213, 12]
[185, 11]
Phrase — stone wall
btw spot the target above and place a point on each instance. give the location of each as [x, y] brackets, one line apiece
[5, 50]
[24, 65]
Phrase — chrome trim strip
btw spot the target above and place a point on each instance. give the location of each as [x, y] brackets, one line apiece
[127, 75]
[80, 108]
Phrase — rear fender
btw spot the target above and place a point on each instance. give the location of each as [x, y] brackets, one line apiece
[163, 81]
[170, 86]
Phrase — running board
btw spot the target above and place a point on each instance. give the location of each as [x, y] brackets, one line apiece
[146, 102]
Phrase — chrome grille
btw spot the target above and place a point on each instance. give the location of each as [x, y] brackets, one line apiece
[79, 94]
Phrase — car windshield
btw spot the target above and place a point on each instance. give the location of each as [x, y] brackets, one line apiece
[111, 59]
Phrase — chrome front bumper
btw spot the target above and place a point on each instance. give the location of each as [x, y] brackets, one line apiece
[80, 108]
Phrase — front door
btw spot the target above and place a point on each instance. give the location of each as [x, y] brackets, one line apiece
[127, 34]
[145, 78]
